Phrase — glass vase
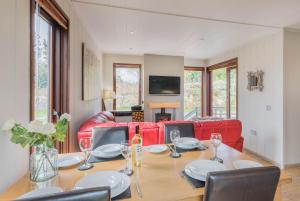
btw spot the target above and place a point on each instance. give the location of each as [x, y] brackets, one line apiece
[43, 163]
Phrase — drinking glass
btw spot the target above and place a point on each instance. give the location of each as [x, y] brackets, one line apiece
[86, 144]
[126, 153]
[216, 140]
[175, 136]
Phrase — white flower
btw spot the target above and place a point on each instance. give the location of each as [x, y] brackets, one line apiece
[48, 129]
[8, 125]
[65, 116]
[35, 126]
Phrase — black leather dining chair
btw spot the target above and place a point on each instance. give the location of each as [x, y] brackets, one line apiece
[251, 184]
[90, 194]
[185, 129]
[109, 135]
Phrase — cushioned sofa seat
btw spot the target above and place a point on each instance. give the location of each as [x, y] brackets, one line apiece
[153, 133]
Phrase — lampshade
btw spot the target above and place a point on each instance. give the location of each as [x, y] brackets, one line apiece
[108, 94]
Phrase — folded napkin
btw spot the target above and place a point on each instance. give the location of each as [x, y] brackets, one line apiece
[126, 194]
[94, 159]
[194, 182]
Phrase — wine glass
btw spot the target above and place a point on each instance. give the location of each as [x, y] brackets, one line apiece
[216, 140]
[86, 144]
[126, 153]
[175, 136]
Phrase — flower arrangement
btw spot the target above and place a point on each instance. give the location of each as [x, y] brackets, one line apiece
[38, 133]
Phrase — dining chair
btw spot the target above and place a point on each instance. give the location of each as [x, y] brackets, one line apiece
[90, 194]
[109, 135]
[185, 129]
[249, 184]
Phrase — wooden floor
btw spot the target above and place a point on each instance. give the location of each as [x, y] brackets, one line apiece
[290, 192]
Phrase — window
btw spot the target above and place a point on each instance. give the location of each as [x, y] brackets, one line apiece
[193, 92]
[42, 69]
[49, 71]
[127, 85]
[223, 89]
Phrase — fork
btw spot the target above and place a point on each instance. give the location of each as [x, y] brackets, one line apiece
[171, 149]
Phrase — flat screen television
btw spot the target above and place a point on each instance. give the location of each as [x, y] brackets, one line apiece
[164, 85]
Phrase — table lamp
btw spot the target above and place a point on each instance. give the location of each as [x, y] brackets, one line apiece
[107, 94]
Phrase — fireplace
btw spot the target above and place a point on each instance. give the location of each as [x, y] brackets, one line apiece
[162, 116]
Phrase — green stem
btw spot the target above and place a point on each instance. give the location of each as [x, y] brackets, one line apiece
[39, 169]
[53, 168]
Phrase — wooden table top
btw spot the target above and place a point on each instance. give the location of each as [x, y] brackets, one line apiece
[159, 175]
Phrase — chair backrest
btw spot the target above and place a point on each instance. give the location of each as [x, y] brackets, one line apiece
[249, 184]
[109, 135]
[185, 129]
[90, 194]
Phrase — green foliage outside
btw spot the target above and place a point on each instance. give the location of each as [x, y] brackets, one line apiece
[192, 91]
[127, 88]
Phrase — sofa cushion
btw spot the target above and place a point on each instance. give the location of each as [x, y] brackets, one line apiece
[148, 131]
[203, 129]
[107, 115]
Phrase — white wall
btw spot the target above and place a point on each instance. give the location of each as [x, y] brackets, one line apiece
[292, 96]
[265, 54]
[80, 110]
[14, 85]
[165, 66]
[195, 62]
[14, 78]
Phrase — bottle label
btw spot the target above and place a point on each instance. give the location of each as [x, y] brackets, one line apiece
[138, 152]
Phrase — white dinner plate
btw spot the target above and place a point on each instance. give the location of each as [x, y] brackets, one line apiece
[156, 148]
[117, 181]
[41, 192]
[241, 164]
[68, 161]
[188, 143]
[198, 169]
[107, 151]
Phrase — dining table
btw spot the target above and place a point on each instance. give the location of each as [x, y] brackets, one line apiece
[159, 176]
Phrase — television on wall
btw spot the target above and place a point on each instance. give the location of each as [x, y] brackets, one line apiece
[164, 85]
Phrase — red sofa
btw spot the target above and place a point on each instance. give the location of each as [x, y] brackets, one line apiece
[153, 133]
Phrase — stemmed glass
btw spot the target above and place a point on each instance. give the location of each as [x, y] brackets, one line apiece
[216, 140]
[86, 144]
[175, 136]
[126, 153]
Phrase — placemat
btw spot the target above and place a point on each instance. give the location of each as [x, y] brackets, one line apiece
[124, 195]
[179, 150]
[94, 159]
[194, 182]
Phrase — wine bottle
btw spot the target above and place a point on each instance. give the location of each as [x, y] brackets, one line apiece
[137, 146]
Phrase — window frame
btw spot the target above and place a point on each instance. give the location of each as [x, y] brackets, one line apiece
[202, 69]
[126, 65]
[229, 65]
[59, 64]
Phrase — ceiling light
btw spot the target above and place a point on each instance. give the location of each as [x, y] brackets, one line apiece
[131, 33]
